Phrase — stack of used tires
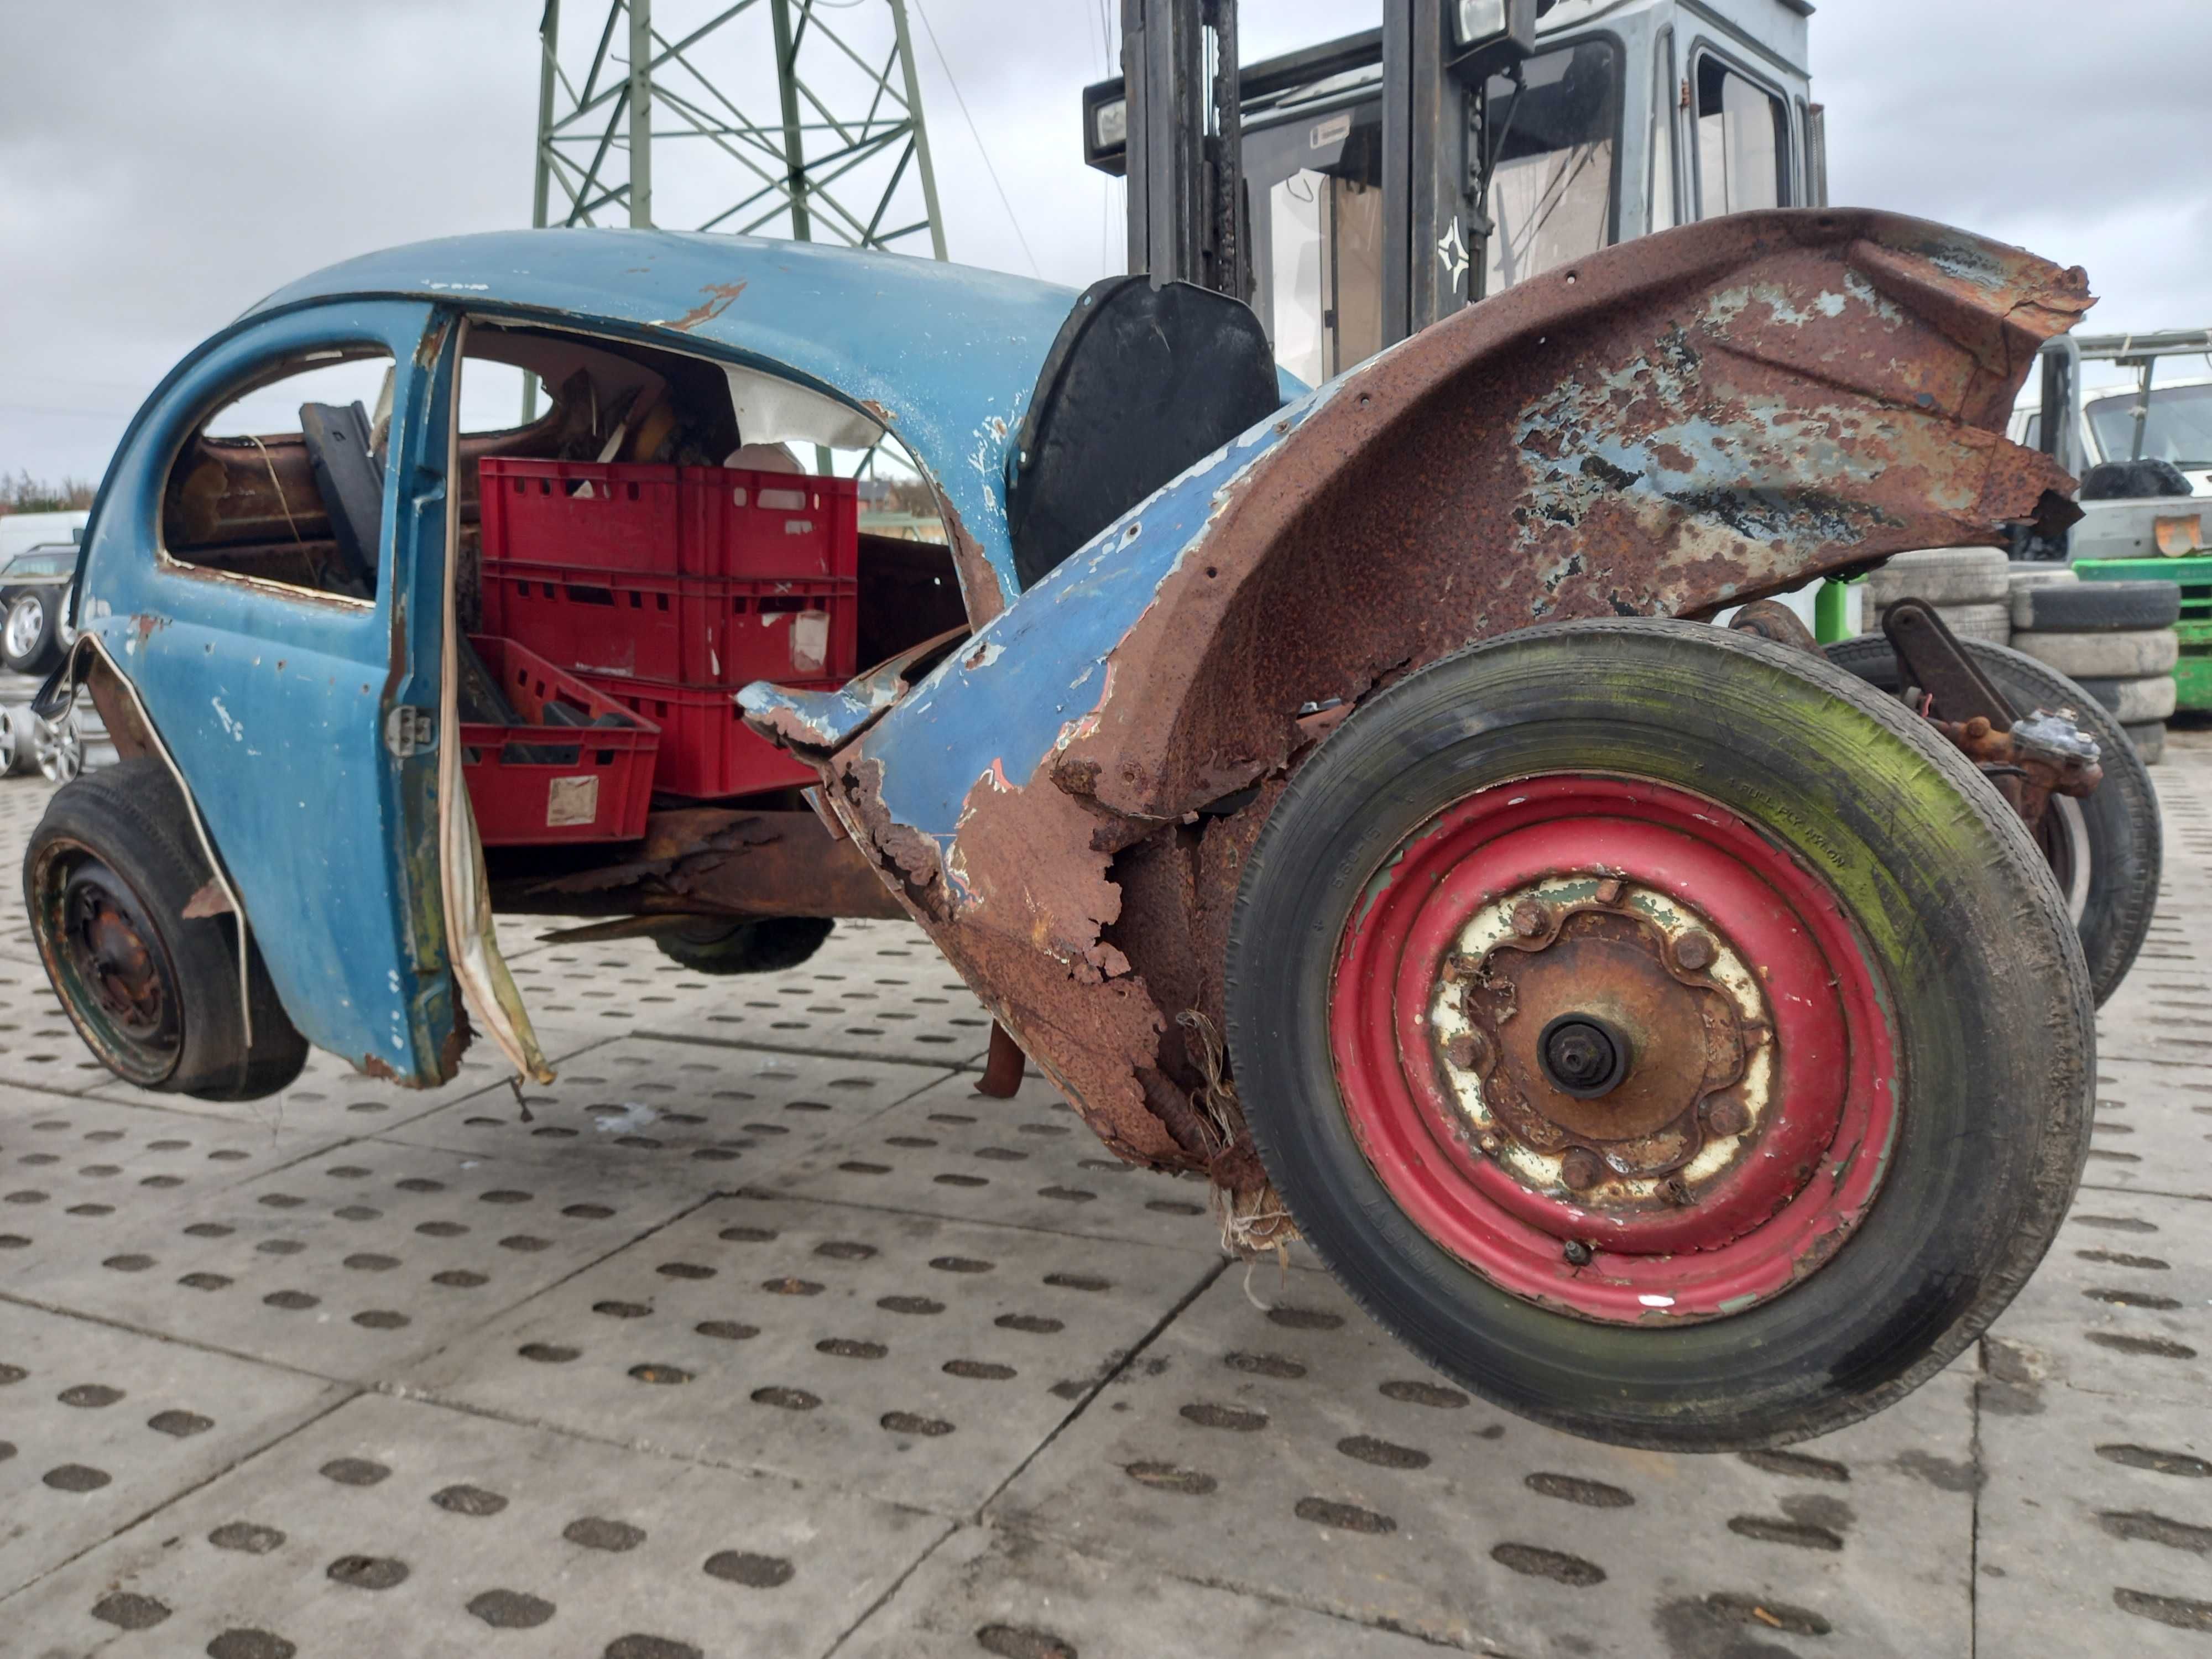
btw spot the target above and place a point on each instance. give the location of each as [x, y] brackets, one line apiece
[2115, 640]
[1966, 585]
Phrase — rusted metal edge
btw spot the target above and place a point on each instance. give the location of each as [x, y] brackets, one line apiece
[1682, 422]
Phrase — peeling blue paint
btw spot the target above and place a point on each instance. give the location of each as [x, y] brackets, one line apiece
[1045, 665]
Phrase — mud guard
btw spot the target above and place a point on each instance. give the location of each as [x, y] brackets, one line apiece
[1676, 424]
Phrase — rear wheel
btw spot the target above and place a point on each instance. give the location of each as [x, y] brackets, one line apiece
[2104, 850]
[109, 872]
[709, 945]
[1663, 1035]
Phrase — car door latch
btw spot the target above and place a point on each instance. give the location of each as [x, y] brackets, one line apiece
[409, 731]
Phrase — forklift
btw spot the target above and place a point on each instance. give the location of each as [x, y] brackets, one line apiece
[1357, 191]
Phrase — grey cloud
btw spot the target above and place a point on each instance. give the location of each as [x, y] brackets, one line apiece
[162, 166]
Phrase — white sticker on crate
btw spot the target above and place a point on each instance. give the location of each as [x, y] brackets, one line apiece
[572, 800]
[809, 641]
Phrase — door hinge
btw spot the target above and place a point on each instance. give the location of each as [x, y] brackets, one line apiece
[409, 731]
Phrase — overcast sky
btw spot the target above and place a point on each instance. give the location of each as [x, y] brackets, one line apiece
[163, 166]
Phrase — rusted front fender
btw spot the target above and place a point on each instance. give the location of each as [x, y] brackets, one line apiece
[1670, 426]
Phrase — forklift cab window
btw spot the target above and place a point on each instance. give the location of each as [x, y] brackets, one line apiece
[1315, 185]
[1552, 191]
[1743, 144]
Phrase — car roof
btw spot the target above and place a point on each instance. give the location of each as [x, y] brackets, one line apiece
[949, 353]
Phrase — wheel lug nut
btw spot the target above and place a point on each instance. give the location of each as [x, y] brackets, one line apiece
[1491, 1145]
[1727, 1117]
[1608, 891]
[1695, 951]
[1578, 1253]
[1530, 918]
[1581, 1169]
[1465, 1051]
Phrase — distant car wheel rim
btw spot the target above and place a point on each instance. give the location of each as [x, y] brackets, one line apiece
[114, 971]
[59, 749]
[27, 622]
[2063, 836]
[11, 746]
[64, 630]
[1614, 1049]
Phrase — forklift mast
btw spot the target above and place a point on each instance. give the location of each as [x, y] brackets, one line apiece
[1187, 217]
[1356, 192]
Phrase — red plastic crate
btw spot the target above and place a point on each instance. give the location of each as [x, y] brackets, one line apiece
[534, 784]
[694, 631]
[699, 521]
[706, 751]
[600, 515]
[747, 525]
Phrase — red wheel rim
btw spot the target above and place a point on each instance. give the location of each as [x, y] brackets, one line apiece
[1555, 891]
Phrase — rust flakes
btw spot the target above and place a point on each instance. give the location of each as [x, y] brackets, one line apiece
[719, 298]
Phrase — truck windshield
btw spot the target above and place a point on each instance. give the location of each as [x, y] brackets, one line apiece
[2177, 427]
[1551, 196]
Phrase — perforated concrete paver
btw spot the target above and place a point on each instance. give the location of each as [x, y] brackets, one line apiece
[393, 1526]
[875, 990]
[1300, 1453]
[330, 1094]
[855, 1436]
[2096, 1522]
[355, 1263]
[98, 1427]
[2123, 1304]
[986, 1593]
[912, 1359]
[2154, 1129]
[635, 1101]
[1026, 1162]
[81, 1177]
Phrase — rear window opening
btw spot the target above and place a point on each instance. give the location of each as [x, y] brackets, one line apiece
[284, 481]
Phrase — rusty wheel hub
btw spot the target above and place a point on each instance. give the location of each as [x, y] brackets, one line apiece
[1599, 1037]
[1612, 1048]
[115, 959]
[109, 964]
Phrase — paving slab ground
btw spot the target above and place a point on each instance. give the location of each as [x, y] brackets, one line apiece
[760, 1333]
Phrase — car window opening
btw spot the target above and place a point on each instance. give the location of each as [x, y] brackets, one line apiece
[284, 483]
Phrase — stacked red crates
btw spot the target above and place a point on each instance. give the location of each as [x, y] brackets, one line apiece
[545, 782]
[667, 588]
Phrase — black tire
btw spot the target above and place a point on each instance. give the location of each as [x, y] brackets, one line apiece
[115, 855]
[1950, 899]
[2133, 481]
[29, 646]
[2105, 851]
[709, 945]
[2096, 607]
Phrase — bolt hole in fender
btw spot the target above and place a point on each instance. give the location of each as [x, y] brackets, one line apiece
[1826, 1022]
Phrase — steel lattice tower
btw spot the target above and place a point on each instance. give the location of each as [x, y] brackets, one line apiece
[845, 157]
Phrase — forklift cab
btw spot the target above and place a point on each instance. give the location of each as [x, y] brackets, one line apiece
[1384, 186]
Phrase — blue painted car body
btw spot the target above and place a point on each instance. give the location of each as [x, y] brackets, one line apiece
[1081, 718]
[273, 704]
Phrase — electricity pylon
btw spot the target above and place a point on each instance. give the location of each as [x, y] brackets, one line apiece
[842, 159]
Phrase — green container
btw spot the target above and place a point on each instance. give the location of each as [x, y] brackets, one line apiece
[2192, 572]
